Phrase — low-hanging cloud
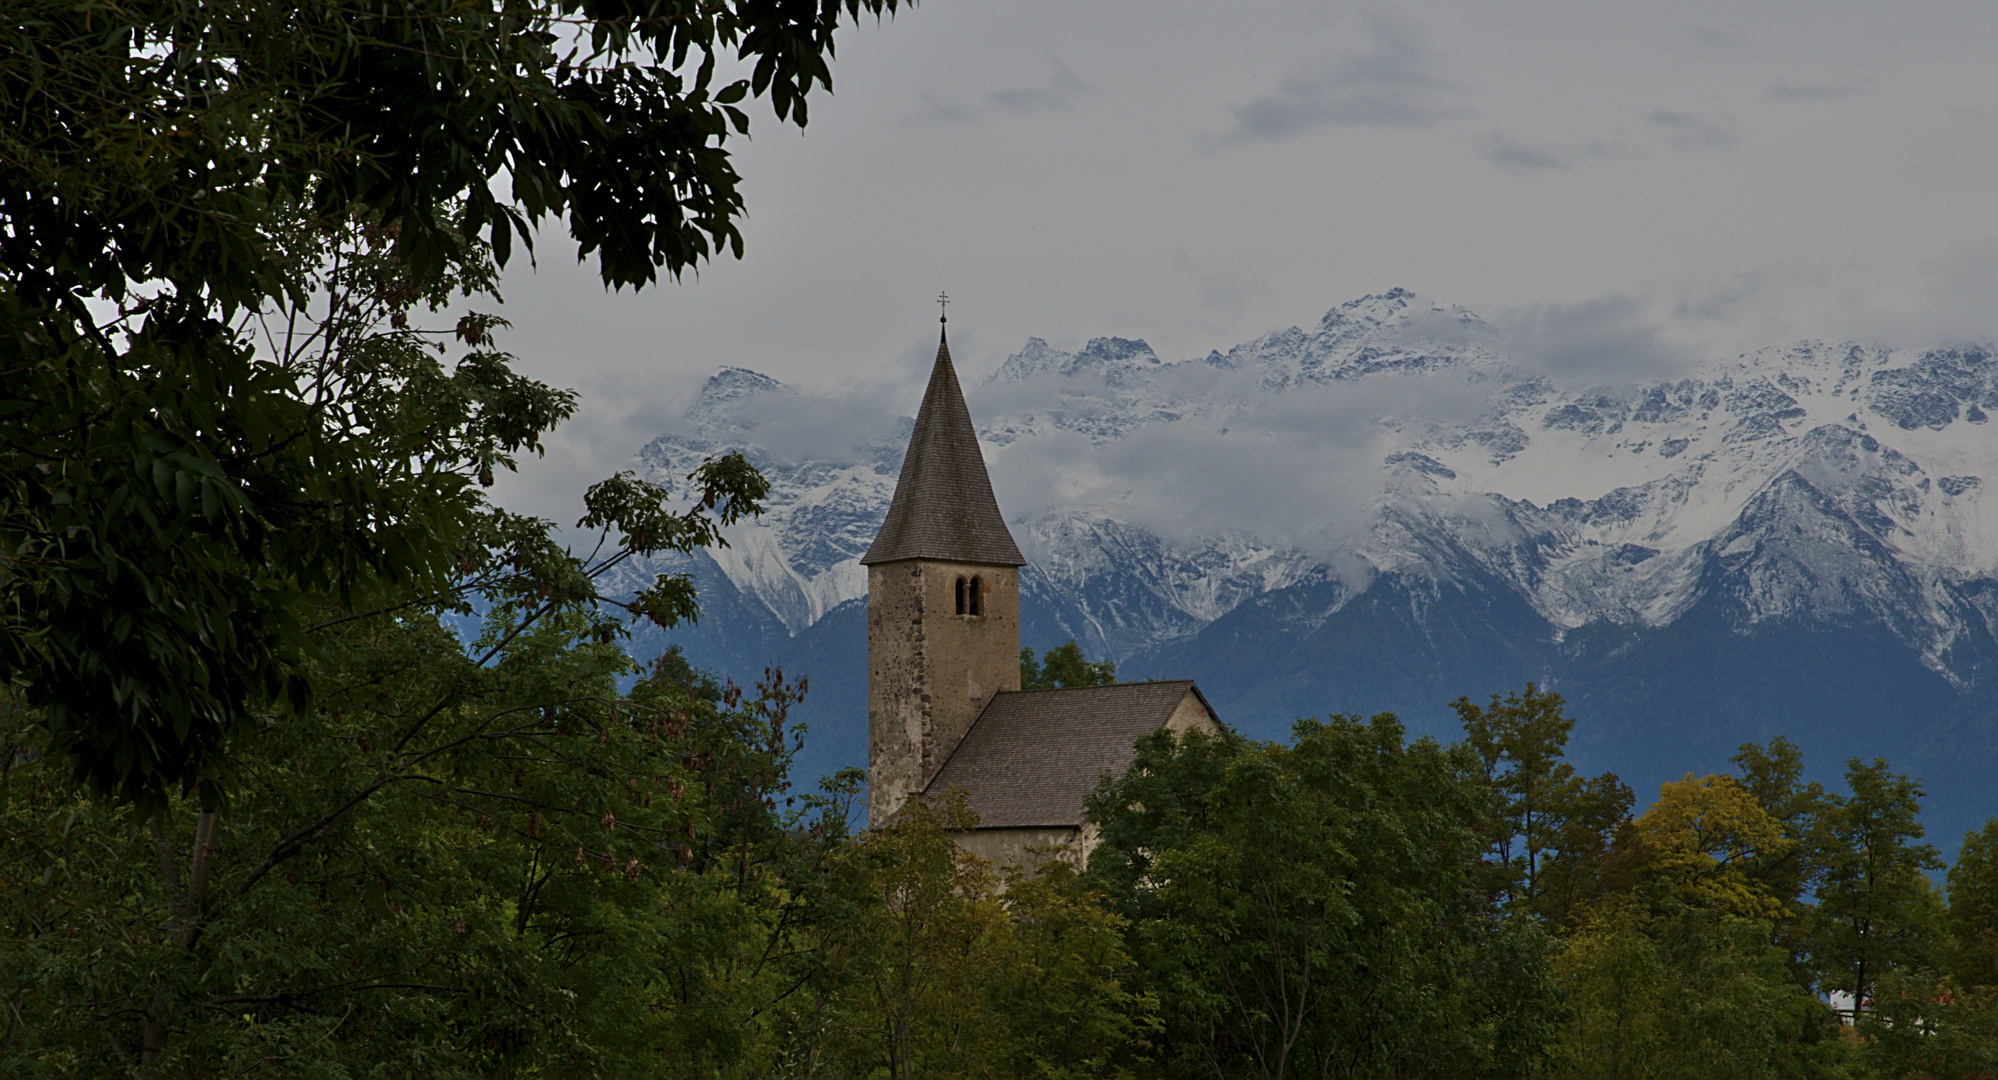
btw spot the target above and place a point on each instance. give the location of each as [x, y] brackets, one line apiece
[836, 430]
[1607, 339]
[839, 425]
[1394, 84]
[1299, 467]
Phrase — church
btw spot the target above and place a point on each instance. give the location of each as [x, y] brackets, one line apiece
[944, 704]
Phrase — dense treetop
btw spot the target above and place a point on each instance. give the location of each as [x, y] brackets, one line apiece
[238, 240]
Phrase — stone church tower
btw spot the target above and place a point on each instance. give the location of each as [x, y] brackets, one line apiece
[943, 601]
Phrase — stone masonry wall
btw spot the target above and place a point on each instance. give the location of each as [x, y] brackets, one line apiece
[929, 669]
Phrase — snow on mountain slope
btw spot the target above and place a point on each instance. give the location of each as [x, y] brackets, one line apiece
[1830, 483]
[802, 558]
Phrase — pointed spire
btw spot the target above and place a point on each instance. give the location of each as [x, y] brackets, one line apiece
[944, 508]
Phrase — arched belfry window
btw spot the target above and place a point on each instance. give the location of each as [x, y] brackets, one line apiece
[977, 596]
[963, 597]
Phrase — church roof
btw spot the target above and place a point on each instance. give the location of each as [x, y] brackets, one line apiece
[944, 507]
[1032, 755]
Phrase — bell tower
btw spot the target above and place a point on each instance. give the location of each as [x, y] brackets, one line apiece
[943, 601]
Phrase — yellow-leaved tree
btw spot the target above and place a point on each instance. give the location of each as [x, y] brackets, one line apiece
[1699, 840]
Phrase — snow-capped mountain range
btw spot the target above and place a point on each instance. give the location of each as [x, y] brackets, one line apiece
[1387, 510]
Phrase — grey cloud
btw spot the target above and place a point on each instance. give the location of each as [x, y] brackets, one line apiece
[1392, 85]
[1300, 467]
[617, 416]
[1523, 157]
[1510, 153]
[946, 112]
[1954, 301]
[1712, 38]
[1226, 292]
[1606, 339]
[837, 430]
[1274, 484]
[1691, 131]
[1719, 302]
[1060, 90]
[1810, 93]
[839, 424]
[1444, 326]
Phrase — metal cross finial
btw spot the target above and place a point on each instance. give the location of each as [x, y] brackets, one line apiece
[943, 305]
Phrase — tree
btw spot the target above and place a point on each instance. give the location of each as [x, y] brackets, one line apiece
[1692, 993]
[1311, 909]
[936, 966]
[1774, 776]
[1700, 839]
[1063, 666]
[1926, 1026]
[1877, 911]
[466, 865]
[1973, 907]
[1806, 812]
[217, 220]
[1593, 839]
[1547, 826]
[146, 143]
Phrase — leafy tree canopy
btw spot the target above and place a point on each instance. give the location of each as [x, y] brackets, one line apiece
[1063, 666]
[226, 229]
[448, 865]
[937, 963]
[1701, 835]
[1312, 909]
[1690, 993]
[1877, 910]
[148, 142]
[1973, 906]
[1551, 831]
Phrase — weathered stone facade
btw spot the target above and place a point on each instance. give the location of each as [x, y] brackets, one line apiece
[931, 669]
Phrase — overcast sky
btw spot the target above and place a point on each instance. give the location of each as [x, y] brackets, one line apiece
[1622, 186]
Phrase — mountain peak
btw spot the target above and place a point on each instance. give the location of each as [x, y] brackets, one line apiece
[1369, 310]
[1034, 358]
[731, 384]
[1102, 355]
[1116, 350]
[716, 407]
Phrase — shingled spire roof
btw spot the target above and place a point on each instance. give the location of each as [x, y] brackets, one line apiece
[943, 506]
